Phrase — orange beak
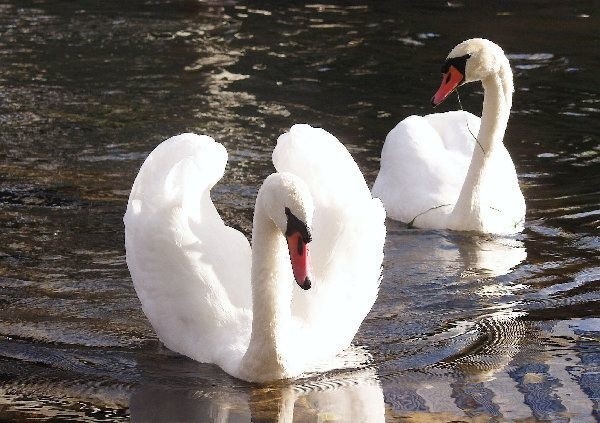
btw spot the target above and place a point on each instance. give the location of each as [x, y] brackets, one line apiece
[450, 80]
[298, 249]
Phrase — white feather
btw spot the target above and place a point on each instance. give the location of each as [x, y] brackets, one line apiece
[192, 273]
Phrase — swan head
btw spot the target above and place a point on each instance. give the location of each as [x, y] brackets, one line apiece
[288, 203]
[472, 60]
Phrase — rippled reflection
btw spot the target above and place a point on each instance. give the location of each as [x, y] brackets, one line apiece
[494, 256]
[353, 397]
[538, 380]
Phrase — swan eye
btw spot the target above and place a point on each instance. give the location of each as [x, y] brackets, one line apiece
[296, 225]
[459, 63]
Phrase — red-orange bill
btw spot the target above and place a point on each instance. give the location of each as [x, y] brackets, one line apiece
[450, 80]
[300, 259]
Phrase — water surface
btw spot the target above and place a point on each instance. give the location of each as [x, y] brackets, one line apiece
[466, 327]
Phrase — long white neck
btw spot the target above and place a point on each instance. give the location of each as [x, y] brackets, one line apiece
[271, 300]
[497, 101]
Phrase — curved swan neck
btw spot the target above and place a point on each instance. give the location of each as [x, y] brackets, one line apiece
[497, 101]
[271, 299]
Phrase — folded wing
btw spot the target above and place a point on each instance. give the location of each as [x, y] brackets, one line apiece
[423, 166]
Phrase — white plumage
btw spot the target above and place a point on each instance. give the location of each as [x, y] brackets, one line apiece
[451, 170]
[208, 296]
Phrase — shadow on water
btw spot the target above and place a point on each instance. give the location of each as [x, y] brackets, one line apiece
[466, 327]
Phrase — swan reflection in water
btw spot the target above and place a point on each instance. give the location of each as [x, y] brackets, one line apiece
[479, 328]
[491, 256]
[351, 396]
[417, 251]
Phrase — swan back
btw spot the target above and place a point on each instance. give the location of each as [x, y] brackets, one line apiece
[423, 166]
[190, 271]
[348, 236]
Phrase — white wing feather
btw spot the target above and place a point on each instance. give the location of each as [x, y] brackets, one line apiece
[190, 271]
[424, 164]
[348, 235]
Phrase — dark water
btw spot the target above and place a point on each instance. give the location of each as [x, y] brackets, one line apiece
[469, 328]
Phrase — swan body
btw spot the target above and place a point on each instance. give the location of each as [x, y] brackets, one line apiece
[212, 297]
[451, 170]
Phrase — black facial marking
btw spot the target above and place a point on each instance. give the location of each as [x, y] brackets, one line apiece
[458, 62]
[296, 225]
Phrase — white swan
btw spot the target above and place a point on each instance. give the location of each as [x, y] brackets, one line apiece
[434, 174]
[210, 297]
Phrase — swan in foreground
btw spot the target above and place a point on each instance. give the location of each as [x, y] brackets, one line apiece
[435, 174]
[213, 298]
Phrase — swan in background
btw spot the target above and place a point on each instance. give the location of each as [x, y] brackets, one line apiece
[435, 174]
[211, 297]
